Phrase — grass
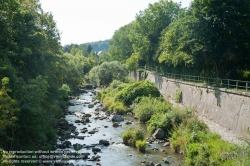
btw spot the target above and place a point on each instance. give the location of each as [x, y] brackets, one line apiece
[141, 145]
[131, 135]
[186, 133]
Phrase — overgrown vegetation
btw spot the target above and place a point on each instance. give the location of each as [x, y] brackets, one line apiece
[201, 147]
[187, 134]
[118, 98]
[134, 137]
[178, 94]
[134, 90]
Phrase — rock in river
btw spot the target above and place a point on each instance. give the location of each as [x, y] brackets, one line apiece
[117, 118]
[104, 142]
[158, 134]
[77, 146]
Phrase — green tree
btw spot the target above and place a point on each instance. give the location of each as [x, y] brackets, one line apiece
[8, 107]
[179, 47]
[120, 45]
[148, 27]
[223, 30]
[8, 113]
[132, 62]
[105, 73]
[104, 57]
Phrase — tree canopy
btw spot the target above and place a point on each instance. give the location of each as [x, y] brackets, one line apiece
[209, 38]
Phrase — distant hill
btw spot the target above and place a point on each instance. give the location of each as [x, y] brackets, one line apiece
[99, 45]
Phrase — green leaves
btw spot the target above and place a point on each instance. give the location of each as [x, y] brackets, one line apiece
[149, 25]
[105, 73]
[137, 89]
[120, 45]
[8, 107]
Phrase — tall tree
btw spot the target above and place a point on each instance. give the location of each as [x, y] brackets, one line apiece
[120, 45]
[149, 25]
[223, 29]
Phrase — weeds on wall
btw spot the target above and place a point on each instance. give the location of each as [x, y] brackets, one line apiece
[178, 94]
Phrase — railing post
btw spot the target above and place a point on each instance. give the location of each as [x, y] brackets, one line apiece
[236, 85]
[246, 86]
[227, 83]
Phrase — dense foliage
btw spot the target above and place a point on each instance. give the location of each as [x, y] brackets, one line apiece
[131, 135]
[210, 38]
[104, 74]
[201, 147]
[138, 89]
[36, 76]
[186, 133]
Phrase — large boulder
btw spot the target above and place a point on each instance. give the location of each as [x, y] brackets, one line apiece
[158, 134]
[117, 118]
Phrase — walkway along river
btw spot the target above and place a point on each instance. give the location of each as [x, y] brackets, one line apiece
[87, 129]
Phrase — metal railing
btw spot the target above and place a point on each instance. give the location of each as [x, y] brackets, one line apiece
[237, 85]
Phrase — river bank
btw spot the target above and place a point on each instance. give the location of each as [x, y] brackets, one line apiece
[225, 134]
[87, 128]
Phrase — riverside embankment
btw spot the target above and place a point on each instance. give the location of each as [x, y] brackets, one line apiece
[226, 112]
[88, 129]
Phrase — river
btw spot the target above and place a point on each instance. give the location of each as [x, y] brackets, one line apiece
[116, 153]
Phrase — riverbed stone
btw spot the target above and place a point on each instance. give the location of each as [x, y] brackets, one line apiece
[128, 123]
[115, 124]
[77, 121]
[77, 146]
[86, 115]
[104, 142]
[166, 144]
[150, 163]
[158, 134]
[117, 118]
[90, 105]
[80, 137]
[91, 132]
[84, 130]
[96, 149]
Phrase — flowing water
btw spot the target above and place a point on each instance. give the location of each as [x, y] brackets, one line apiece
[116, 154]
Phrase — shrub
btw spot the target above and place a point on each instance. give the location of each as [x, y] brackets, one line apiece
[117, 107]
[141, 145]
[131, 135]
[147, 106]
[177, 95]
[65, 91]
[143, 88]
[115, 83]
[105, 73]
[166, 121]
[107, 101]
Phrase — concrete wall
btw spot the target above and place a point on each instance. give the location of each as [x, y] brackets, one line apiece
[227, 108]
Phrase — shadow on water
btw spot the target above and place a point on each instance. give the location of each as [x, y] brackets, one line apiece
[116, 153]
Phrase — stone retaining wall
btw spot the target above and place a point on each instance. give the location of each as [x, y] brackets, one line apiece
[227, 108]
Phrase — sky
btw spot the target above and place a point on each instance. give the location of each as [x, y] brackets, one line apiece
[82, 21]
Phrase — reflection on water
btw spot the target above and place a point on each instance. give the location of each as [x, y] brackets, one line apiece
[116, 153]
